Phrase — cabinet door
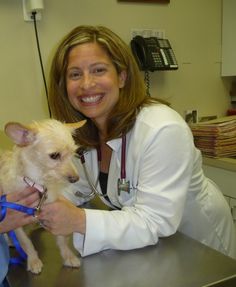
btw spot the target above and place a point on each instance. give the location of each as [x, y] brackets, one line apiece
[225, 179]
[228, 38]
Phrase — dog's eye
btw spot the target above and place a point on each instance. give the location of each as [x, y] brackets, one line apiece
[55, 155]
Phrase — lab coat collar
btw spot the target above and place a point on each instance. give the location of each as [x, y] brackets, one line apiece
[115, 144]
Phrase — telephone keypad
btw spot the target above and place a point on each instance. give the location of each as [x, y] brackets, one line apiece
[157, 59]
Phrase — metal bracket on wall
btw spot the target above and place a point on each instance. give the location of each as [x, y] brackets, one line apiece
[158, 33]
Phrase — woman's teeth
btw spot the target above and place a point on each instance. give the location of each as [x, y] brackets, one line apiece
[91, 99]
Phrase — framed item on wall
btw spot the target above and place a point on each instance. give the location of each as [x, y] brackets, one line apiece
[146, 1]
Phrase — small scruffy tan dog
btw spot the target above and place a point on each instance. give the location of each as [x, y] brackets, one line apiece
[43, 154]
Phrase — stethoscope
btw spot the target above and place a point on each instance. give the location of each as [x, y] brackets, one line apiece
[123, 185]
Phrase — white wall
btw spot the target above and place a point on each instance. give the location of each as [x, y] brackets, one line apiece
[192, 26]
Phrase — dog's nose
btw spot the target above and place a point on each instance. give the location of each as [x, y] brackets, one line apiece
[73, 179]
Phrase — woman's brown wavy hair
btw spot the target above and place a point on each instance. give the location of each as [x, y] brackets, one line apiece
[132, 96]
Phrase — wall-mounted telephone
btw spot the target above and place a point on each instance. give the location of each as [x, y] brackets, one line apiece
[153, 54]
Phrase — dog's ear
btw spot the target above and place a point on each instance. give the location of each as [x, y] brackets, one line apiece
[76, 125]
[20, 135]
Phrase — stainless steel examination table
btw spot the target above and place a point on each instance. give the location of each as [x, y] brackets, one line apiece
[176, 261]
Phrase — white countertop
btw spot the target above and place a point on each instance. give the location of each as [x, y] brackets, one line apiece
[224, 163]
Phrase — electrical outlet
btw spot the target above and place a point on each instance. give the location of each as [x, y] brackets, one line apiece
[28, 14]
[159, 33]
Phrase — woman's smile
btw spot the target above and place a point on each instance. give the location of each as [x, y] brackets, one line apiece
[91, 99]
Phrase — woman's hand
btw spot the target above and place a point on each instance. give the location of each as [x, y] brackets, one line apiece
[14, 219]
[62, 217]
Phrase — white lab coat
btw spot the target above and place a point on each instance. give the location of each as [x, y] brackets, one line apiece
[169, 190]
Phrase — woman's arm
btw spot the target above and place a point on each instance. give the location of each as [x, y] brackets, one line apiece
[163, 177]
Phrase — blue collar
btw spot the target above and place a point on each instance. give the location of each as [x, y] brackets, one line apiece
[4, 205]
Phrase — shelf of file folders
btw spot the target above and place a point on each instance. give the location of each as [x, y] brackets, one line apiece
[216, 138]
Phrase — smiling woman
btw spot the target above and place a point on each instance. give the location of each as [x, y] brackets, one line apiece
[137, 154]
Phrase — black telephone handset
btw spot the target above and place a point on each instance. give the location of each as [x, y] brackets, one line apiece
[153, 54]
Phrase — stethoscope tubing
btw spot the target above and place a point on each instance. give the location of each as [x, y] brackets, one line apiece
[90, 181]
[123, 158]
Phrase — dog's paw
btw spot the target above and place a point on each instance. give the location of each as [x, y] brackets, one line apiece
[72, 261]
[34, 265]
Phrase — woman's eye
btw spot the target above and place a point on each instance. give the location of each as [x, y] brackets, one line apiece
[74, 75]
[55, 155]
[99, 70]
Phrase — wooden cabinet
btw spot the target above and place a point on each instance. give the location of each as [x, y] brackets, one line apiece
[228, 38]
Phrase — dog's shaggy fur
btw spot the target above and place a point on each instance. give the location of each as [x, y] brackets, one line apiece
[43, 152]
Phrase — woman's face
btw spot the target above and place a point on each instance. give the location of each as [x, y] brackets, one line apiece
[92, 82]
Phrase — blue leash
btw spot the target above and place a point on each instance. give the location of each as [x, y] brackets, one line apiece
[28, 210]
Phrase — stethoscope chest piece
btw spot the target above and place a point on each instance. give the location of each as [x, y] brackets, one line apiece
[123, 185]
